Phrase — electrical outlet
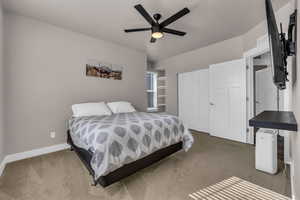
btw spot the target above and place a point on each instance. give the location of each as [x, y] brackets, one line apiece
[52, 134]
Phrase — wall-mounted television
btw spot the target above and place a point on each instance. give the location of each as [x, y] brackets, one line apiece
[280, 47]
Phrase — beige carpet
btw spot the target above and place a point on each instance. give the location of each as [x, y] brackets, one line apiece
[62, 176]
[236, 188]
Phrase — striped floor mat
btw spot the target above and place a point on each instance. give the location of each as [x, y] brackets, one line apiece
[236, 189]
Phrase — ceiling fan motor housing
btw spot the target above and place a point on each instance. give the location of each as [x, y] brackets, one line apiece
[156, 29]
[157, 16]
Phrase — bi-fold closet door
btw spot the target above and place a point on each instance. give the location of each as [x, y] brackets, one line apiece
[214, 100]
[193, 97]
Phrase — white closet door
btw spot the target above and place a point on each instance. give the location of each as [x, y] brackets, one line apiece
[228, 100]
[185, 84]
[193, 92]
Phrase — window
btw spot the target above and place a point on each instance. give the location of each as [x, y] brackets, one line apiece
[151, 82]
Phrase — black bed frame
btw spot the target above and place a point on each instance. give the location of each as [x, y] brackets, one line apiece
[128, 169]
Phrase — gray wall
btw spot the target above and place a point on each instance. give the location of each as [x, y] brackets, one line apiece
[296, 109]
[45, 75]
[1, 87]
[201, 58]
[250, 38]
[296, 136]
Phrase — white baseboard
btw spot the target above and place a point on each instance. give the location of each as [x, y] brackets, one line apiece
[2, 166]
[292, 179]
[30, 154]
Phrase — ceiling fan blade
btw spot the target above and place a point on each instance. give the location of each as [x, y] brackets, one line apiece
[152, 40]
[144, 13]
[136, 30]
[175, 17]
[172, 31]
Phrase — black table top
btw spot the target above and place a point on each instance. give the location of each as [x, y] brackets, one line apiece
[275, 120]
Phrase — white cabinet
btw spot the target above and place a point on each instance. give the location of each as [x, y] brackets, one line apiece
[266, 151]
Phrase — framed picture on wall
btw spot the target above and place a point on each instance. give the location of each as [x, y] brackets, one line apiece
[104, 70]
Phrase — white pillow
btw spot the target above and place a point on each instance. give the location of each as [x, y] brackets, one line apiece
[121, 107]
[90, 109]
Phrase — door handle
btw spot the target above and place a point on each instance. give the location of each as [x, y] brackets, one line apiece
[257, 102]
[212, 104]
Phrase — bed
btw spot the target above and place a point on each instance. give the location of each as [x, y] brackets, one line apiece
[116, 146]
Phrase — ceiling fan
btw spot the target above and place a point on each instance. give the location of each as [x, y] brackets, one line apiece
[158, 29]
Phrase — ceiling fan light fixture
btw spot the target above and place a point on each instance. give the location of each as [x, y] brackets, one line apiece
[157, 35]
[158, 29]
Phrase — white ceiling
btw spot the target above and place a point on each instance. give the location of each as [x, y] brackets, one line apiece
[210, 21]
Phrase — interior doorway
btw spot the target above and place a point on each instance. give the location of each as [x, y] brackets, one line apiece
[262, 95]
[266, 95]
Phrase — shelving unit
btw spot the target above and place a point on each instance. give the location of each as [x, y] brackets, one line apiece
[161, 104]
[161, 91]
[162, 78]
[162, 96]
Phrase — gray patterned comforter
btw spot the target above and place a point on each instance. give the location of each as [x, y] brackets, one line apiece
[120, 139]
